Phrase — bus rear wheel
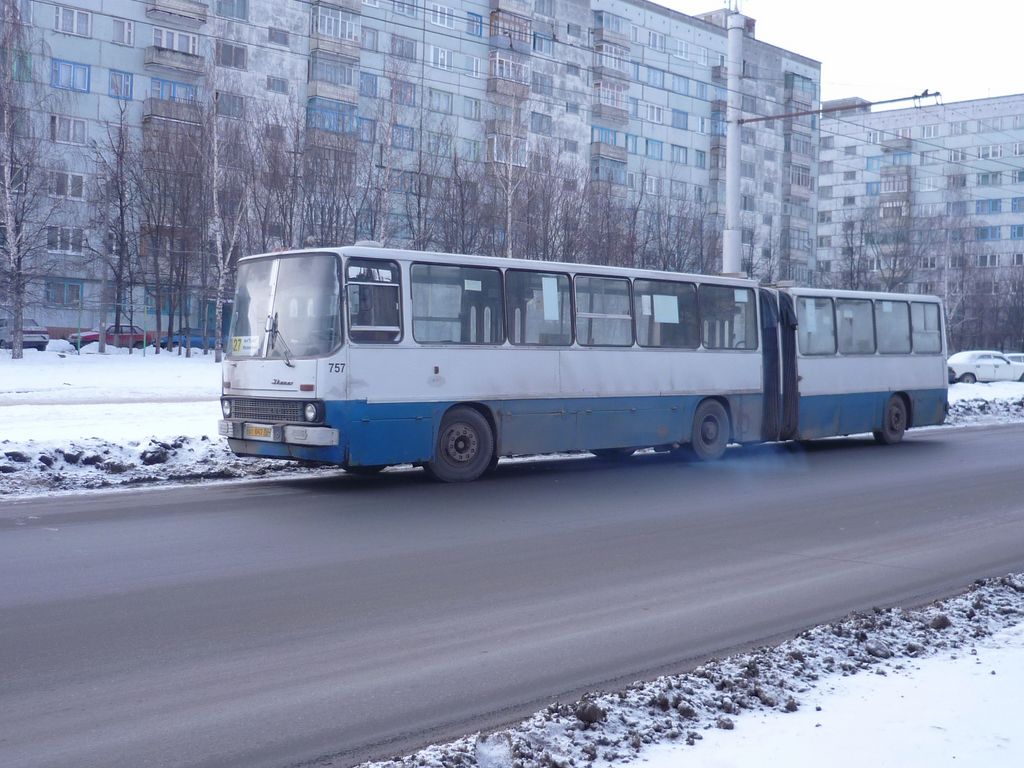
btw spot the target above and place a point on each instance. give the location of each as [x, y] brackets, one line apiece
[465, 447]
[894, 422]
[711, 431]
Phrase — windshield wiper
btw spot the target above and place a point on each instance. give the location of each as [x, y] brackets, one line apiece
[276, 334]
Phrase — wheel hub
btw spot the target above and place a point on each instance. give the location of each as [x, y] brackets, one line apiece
[461, 444]
[709, 430]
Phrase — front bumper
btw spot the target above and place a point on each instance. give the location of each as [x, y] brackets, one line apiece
[295, 434]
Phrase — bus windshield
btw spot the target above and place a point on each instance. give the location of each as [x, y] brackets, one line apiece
[287, 307]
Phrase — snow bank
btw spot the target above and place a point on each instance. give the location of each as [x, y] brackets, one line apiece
[666, 721]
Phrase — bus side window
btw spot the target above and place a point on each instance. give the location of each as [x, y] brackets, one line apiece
[538, 308]
[924, 319]
[374, 301]
[666, 314]
[892, 318]
[815, 326]
[728, 317]
[457, 305]
[856, 326]
[603, 317]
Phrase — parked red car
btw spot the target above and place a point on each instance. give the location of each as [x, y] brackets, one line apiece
[117, 336]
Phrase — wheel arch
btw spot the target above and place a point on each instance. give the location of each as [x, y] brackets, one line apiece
[908, 403]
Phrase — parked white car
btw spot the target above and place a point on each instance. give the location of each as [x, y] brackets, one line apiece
[984, 365]
[32, 334]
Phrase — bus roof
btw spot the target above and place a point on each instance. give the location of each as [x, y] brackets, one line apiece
[374, 252]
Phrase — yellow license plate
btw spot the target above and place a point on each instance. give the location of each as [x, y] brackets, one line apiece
[259, 432]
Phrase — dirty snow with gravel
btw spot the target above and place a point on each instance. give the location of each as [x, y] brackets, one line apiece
[932, 686]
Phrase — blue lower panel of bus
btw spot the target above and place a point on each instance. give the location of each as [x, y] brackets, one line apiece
[850, 414]
[398, 433]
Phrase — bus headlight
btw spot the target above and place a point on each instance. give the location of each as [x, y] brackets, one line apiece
[225, 408]
[311, 411]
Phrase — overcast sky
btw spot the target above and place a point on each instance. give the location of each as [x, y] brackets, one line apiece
[886, 49]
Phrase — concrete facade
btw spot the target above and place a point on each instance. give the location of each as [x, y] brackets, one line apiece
[634, 91]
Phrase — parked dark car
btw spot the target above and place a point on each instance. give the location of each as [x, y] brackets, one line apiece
[117, 336]
[33, 335]
[190, 337]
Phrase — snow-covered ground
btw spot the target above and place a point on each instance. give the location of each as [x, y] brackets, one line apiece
[933, 686]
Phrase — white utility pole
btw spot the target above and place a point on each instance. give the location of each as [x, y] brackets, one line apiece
[732, 237]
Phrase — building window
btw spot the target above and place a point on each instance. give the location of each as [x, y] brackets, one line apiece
[67, 130]
[330, 115]
[1017, 231]
[169, 90]
[442, 58]
[124, 32]
[873, 187]
[368, 84]
[474, 24]
[678, 154]
[800, 175]
[655, 149]
[69, 185]
[369, 39]
[543, 85]
[441, 15]
[233, 9]
[335, 23]
[404, 8]
[71, 21]
[543, 44]
[991, 179]
[700, 158]
[471, 108]
[277, 36]
[403, 137]
[440, 101]
[277, 84]
[69, 76]
[325, 68]
[986, 233]
[403, 47]
[231, 55]
[989, 206]
[64, 239]
[229, 104]
[654, 113]
[120, 85]
[64, 293]
[174, 40]
[540, 123]
[404, 93]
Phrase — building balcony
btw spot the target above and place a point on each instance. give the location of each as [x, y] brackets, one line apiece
[603, 35]
[719, 73]
[601, 149]
[176, 61]
[521, 7]
[188, 13]
[339, 46]
[505, 127]
[346, 93]
[511, 88]
[610, 113]
[897, 144]
[175, 111]
[352, 6]
[603, 72]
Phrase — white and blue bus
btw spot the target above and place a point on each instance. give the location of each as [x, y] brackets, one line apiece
[366, 357]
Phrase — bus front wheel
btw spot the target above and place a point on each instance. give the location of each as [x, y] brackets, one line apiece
[465, 447]
[710, 431]
[894, 422]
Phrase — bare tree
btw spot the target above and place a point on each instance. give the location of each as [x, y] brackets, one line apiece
[116, 215]
[26, 205]
[461, 206]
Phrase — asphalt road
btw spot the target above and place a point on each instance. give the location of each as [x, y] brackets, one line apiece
[339, 618]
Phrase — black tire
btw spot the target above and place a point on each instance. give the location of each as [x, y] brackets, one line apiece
[710, 434]
[3, 344]
[464, 448]
[894, 422]
[613, 454]
[968, 378]
[365, 470]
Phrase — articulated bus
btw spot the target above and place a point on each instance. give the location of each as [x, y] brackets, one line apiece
[366, 357]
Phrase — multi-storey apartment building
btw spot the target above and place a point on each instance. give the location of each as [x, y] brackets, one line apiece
[929, 199]
[621, 101]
